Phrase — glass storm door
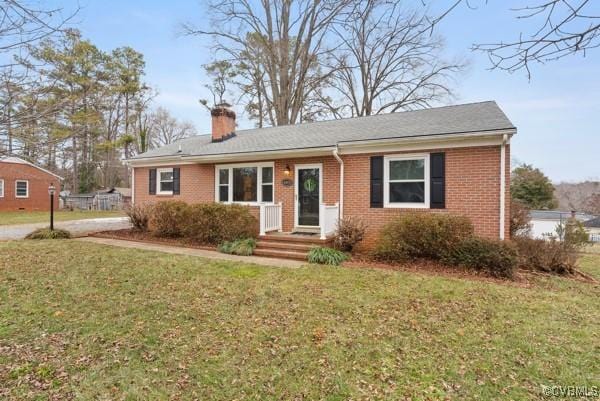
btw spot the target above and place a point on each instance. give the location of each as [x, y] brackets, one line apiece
[308, 195]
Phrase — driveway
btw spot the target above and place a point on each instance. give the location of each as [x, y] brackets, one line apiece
[78, 228]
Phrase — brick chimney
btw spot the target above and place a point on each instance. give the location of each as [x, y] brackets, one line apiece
[223, 122]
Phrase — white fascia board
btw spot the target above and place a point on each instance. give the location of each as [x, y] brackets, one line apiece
[424, 143]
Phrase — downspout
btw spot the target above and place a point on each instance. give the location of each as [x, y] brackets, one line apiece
[339, 159]
[132, 185]
[503, 184]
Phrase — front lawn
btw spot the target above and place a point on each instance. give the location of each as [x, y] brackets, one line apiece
[25, 217]
[86, 321]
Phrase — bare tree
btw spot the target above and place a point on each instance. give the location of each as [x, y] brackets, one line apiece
[566, 27]
[166, 129]
[388, 61]
[291, 37]
[25, 23]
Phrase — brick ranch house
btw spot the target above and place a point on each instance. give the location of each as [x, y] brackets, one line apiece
[302, 178]
[24, 186]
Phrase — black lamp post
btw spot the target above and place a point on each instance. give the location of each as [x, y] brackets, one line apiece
[51, 191]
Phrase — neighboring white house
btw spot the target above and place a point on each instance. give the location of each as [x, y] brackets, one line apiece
[592, 226]
[544, 222]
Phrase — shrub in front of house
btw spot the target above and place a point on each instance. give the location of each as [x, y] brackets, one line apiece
[498, 258]
[546, 256]
[168, 218]
[349, 232]
[243, 247]
[215, 223]
[422, 235]
[139, 216]
[326, 256]
[46, 233]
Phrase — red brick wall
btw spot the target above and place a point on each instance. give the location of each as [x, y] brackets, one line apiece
[472, 188]
[39, 181]
[197, 184]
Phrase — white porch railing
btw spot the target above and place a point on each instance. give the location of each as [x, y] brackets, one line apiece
[270, 217]
[328, 218]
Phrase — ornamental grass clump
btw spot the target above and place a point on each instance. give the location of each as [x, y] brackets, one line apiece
[326, 256]
[46, 233]
[242, 247]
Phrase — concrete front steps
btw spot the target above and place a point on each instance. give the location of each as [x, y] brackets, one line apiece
[288, 245]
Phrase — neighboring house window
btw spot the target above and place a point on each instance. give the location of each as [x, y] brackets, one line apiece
[406, 181]
[1, 188]
[164, 183]
[22, 189]
[245, 183]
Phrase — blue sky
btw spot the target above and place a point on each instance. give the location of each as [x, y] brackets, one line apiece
[557, 113]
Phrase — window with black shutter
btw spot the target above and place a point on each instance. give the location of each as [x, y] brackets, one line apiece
[152, 181]
[438, 181]
[376, 181]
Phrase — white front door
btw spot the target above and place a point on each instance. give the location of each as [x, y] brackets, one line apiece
[308, 196]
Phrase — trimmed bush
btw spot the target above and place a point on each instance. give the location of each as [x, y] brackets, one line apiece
[243, 247]
[139, 216]
[498, 258]
[215, 223]
[350, 231]
[168, 218]
[326, 256]
[546, 256]
[46, 233]
[422, 235]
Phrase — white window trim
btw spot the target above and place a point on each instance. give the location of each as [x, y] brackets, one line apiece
[27, 187]
[1, 188]
[259, 182]
[158, 171]
[386, 182]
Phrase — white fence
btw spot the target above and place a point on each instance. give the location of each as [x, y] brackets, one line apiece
[595, 237]
[270, 218]
[328, 218]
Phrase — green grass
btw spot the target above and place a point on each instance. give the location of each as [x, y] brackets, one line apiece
[95, 322]
[25, 217]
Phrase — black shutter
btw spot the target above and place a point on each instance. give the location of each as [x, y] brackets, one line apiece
[176, 181]
[438, 180]
[152, 181]
[376, 181]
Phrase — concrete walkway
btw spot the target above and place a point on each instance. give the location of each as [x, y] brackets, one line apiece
[194, 252]
[77, 228]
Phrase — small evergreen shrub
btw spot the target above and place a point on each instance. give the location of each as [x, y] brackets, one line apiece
[350, 231]
[46, 233]
[546, 256]
[139, 216]
[214, 223]
[326, 256]
[422, 235]
[243, 247]
[168, 218]
[498, 258]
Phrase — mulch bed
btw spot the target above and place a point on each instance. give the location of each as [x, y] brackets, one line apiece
[137, 236]
[431, 268]
[522, 278]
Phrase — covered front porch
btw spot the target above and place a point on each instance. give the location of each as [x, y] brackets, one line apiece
[326, 216]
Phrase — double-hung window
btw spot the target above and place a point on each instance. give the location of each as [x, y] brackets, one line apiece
[22, 189]
[164, 181]
[406, 181]
[1, 188]
[244, 183]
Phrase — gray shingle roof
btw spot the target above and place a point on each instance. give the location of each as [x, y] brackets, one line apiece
[458, 119]
[593, 223]
[557, 215]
